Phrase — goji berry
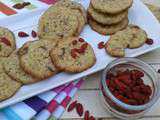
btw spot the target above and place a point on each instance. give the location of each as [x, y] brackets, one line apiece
[91, 118]
[5, 41]
[72, 106]
[84, 46]
[18, 6]
[101, 45]
[86, 115]
[34, 34]
[139, 82]
[73, 53]
[121, 86]
[149, 41]
[81, 40]
[22, 34]
[79, 109]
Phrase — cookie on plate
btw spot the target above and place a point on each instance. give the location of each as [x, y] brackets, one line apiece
[8, 87]
[7, 42]
[35, 59]
[117, 43]
[78, 10]
[108, 29]
[13, 69]
[73, 55]
[106, 19]
[111, 6]
[115, 48]
[58, 22]
[139, 39]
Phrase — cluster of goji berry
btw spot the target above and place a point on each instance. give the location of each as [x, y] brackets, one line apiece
[129, 87]
[80, 110]
[80, 50]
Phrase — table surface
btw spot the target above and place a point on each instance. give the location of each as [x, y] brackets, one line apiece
[88, 95]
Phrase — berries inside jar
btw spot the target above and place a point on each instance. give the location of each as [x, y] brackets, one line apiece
[129, 87]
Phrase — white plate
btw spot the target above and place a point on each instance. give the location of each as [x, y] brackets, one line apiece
[138, 14]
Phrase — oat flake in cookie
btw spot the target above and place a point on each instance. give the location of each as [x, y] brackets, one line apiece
[7, 42]
[35, 59]
[13, 69]
[111, 6]
[73, 55]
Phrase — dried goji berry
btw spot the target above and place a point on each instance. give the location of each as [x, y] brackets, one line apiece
[91, 118]
[132, 102]
[72, 106]
[80, 51]
[22, 34]
[149, 41]
[139, 82]
[137, 89]
[79, 109]
[101, 45]
[5, 41]
[18, 6]
[146, 89]
[107, 82]
[34, 34]
[86, 115]
[84, 46]
[73, 53]
[125, 79]
[81, 40]
[121, 86]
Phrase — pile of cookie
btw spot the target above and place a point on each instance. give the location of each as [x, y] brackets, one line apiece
[56, 50]
[131, 37]
[108, 16]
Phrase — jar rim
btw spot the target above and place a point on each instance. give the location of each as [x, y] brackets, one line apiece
[117, 101]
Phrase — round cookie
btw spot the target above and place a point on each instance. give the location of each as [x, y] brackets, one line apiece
[106, 19]
[115, 48]
[35, 59]
[111, 6]
[139, 38]
[8, 87]
[78, 10]
[108, 29]
[73, 56]
[59, 22]
[13, 69]
[7, 42]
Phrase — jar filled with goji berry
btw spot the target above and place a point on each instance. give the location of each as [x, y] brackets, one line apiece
[129, 88]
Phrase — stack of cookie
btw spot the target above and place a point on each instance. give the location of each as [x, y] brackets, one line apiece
[64, 19]
[108, 16]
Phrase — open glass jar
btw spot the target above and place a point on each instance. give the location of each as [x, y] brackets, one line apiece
[123, 110]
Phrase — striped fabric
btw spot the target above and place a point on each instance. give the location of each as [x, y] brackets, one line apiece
[62, 99]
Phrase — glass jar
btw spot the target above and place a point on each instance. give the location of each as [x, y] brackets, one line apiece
[118, 108]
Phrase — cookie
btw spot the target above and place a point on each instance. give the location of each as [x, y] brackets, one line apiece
[78, 10]
[35, 59]
[58, 22]
[117, 43]
[13, 69]
[106, 19]
[115, 48]
[108, 29]
[7, 42]
[73, 55]
[139, 38]
[8, 87]
[155, 10]
[111, 6]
